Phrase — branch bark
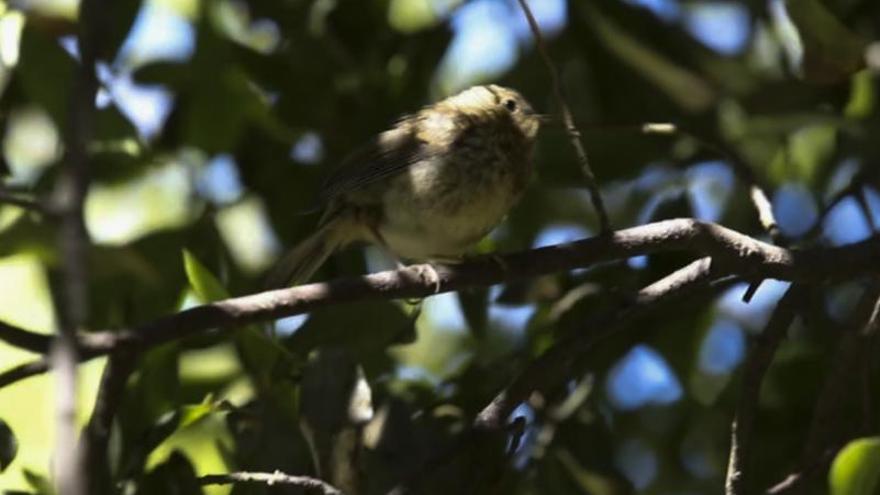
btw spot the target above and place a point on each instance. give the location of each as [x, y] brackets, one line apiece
[96, 436]
[25, 339]
[276, 478]
[69, 200]
[731, 252]
[23, 201]
[552, 366]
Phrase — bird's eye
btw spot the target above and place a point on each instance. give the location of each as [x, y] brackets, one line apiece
[510, 105]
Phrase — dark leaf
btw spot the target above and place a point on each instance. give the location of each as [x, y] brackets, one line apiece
[8, 446]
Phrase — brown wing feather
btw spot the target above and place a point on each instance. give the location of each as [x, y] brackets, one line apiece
[385, 155]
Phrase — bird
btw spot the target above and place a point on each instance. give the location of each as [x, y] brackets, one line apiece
[427, 189]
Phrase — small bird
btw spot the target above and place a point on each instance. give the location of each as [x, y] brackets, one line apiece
[430, 187]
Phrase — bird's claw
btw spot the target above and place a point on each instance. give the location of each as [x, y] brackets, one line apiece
[429, 274]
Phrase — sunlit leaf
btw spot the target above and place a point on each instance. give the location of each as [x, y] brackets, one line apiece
[856, 469]
[809, 149]
[259, 354]
[862, 97]
[203, 282]
[191, 415]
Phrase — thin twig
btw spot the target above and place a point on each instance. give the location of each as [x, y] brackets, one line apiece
[756, 367]
[25, 339]
[864, 205]
[759, 199]
[757, 190]
[855, 187]
[571, 129]
[551, 366]
[797, 478]
[276, 478]
[22, 201]
[873, 325]
[737, 253]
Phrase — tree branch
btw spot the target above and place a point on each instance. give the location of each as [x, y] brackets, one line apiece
[756, 366]
[69, 199]
[855, 187]
[574, 135]
[96, 437]
[551, 367]
[731, 252]
[831, 426]
[25, 339]
[276, 478]
[26, 202]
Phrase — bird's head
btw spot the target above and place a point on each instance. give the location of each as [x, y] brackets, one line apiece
[494, 103]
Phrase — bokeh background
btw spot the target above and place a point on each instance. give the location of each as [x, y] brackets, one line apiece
[218, 119]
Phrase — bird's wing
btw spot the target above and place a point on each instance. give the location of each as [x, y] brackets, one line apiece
[387, 154]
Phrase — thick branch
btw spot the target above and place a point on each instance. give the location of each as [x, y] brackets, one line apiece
[731, 251]
[276, 478]
[69, 198]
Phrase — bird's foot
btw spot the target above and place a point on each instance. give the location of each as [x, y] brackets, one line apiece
[428, 273]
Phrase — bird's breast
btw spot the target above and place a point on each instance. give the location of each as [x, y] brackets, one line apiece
[441, 206]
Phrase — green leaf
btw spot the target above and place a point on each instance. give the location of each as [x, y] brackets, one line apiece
[157, 384]
[473, 304]
[45, 72]
[258, 353]
[831, 51]
[8, 446]
[688, 89]
[190, 415]
[123, 13]
[39, 482]
[165, 426]
[810, 148]
[206, 286]
[856, 469]
[862, 96]
[176, 475]
[363, 328]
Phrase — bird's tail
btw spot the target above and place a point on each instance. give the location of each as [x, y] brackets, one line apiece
[299, 264]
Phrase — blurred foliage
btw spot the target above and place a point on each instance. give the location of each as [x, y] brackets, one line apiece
[269, 95]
